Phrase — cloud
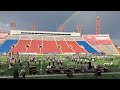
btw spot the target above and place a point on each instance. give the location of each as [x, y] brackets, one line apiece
[50, 20]
[4, 27]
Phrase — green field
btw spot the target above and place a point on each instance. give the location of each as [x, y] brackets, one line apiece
[41, 66]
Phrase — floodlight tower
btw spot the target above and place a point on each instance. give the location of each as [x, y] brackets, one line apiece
[12, 25]
[97, 25]
[61, 28]
[81, 31]
[34, 27]
[79, 28]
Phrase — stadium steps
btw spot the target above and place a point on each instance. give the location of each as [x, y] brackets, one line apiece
[102, 48]
[103, 42]
[50, 47]
[118, 50]
[112, 49]
[64, 47]
[29, 45]
[77, 48]
[69, 45]
[6, 46]
[89, 48]
[105, 49]
[97, 47]
[58, 45]
[35, 46]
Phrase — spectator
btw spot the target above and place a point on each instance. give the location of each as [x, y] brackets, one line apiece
[9, 66]
[23, 73]
[19, 60]
[85, 61]
[111, 63]
[53, 63]
[20, 64]
[61, 63]
[78, 61]
[28, 64]
[16, 74]
[49, 63]
[48, 67]
[15, 60]
[35, 63]
[93, 59]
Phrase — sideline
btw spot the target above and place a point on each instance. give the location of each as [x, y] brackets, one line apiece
[59, 75]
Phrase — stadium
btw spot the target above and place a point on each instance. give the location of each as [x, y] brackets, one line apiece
[45, 54]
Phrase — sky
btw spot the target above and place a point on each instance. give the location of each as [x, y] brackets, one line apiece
[50, 21]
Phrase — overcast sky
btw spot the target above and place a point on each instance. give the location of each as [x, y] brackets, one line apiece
[50, 20]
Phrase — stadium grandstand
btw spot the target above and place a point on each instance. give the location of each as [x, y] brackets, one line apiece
[53, 54]
[46, 42]
[40, 42]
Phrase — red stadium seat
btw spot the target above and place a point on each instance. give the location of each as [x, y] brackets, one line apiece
[64, 47]
[77, 48]
[21, 46]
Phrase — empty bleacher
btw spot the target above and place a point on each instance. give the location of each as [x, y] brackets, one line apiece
[77, 48]
[101, 43]
[26, 37]
[105, 49]
[59, 38]
[108, 42]
[3, 35]
[13, 37]
[35, 47]
[89, 48]
[6, 46]
[21, 46]
[78, 38]
[69, 38]
[56, 44]
[93, 42]
[36, 37]
[98, 48]
[47, 38]
[118, 50]
[91, 39]
[64, 47]
[1, 41]
[112, 49]
[50, 47]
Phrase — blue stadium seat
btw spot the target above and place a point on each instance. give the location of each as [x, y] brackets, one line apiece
[87, 46]
[6, 46]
